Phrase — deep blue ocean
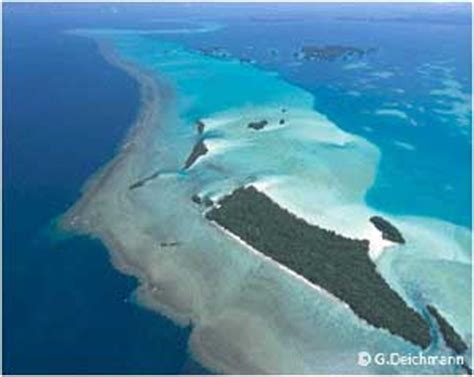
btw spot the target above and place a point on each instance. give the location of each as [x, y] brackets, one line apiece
[65, 111]
[65, 309]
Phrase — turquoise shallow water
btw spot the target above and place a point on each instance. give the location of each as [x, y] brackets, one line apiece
[425, 167]
[204, 85]
[422, 130]
[423, 82]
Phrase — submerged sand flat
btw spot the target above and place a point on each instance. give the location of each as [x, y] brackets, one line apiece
[248, 314]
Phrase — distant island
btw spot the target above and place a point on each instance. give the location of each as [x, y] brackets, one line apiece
[306, 53]
[336, 263]
[331, 52]
[215, 52]
[218, 52]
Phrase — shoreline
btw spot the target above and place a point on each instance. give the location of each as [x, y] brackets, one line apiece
[149, 102]
[71, 220]
[148, 111]
[147, 117]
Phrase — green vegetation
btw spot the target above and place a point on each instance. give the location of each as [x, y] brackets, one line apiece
[336, 263]
[389, 232]
[199, 150]
[258, 125]
[451, 337]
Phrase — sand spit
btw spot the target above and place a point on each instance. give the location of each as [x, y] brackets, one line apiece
[247, 314]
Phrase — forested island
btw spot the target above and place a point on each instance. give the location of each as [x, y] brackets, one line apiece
[306, 52]
[221, 53]
[258, 125]
[389, 232]
[336, 263]
[451, 337]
